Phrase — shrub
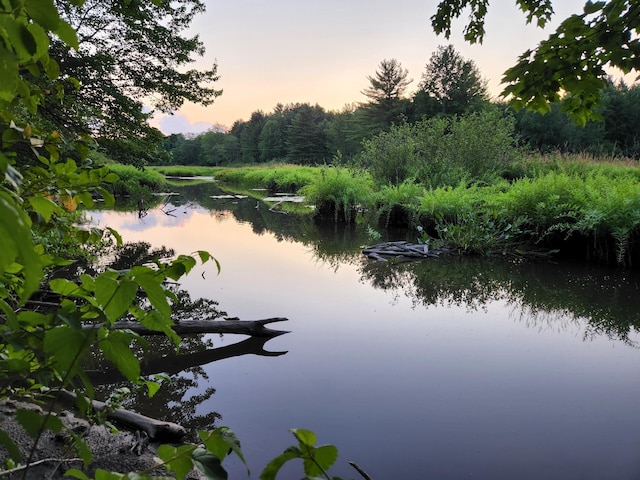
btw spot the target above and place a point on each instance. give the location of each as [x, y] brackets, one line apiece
[439, 152]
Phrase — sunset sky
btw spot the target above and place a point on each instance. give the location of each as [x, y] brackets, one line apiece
[313, 51]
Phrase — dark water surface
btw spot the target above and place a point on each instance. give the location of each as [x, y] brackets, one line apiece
[443, 369]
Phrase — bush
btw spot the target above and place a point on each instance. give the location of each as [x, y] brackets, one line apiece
[442, 152]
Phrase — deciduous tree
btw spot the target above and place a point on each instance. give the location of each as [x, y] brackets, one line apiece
[570, 65]
[132, 61]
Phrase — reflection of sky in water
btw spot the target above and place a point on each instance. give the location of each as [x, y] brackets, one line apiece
[406, 391]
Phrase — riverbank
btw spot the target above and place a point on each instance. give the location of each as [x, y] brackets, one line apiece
[120, 451]
[586, 210]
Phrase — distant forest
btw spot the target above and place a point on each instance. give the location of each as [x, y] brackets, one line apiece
[450, 86]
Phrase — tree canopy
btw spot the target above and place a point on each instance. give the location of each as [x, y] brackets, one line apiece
[570, 65]
[131, 60]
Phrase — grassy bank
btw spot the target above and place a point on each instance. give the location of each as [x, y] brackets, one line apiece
[136, 183]
[580, 204]
[276, 178]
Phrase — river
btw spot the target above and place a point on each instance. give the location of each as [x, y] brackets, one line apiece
[447, 368]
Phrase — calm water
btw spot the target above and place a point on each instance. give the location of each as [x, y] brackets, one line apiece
[444, 369]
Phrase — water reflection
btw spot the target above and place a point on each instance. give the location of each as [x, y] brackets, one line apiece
[444, 368]
[542, 294]
[607, 299]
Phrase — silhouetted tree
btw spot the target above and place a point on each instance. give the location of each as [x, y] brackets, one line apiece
[451, 84]
[386, 96]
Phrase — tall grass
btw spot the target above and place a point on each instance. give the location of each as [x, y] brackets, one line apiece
[338, 193]
[136, 183]
[283, 178]
[399, 204]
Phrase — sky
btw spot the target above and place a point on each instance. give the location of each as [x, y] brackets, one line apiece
[322, 51]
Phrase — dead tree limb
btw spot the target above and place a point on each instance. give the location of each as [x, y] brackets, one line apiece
[155, 429]
[255, 328]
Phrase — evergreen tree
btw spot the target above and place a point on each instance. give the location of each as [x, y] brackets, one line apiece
[450, 83]
[306, 136]
[386, 103]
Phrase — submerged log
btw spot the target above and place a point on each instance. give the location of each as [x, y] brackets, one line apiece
[156, 429]
[255, 328]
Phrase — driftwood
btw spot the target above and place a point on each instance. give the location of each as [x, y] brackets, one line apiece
[255, 328]
[156, 429]
[174, 363]
[401, 250]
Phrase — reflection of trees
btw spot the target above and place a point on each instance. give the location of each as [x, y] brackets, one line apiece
[606, 300]
[546, 294]
[178, 400]
[331, 242]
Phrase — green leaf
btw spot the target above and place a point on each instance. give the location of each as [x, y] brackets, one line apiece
[152, 387]
[31, 318]
[9, 74]
[325, 456]
[159, 323]
[85, 198]
[14, 365]
[44, 207]
[41, 38]
[64, 287]
[10, 446]
[75, 473]
[115, 346]
[104, 475]
[221, 441]
[34, 422]
[10, 315]
[178, 459]
[305, 437]
[66, 346]
[115, 296]
[116, 235]
[273, 467]
[23, 42]
[43, 12]
[186, 260]
[209, 464]
[67, 34]
[16, 244]
[152, 285]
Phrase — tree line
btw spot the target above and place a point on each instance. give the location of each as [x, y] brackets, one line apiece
[450, 86]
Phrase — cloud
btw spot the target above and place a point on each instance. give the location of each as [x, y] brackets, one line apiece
[179, 123]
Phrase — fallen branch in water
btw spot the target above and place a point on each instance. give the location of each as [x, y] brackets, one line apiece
[255, 328]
